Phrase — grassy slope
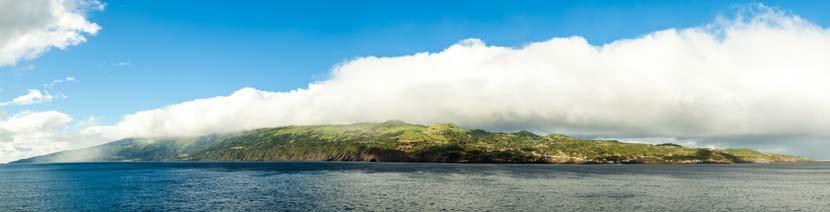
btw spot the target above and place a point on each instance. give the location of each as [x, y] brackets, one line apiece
[399, 141]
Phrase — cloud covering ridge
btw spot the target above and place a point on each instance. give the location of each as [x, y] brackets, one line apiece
[763, 72]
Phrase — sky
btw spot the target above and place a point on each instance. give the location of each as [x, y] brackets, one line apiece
[75, 73]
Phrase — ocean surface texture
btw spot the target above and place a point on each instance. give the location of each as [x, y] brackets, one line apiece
[336, 186]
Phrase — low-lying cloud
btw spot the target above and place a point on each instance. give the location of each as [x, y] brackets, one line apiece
[762, 74]
[29, 133]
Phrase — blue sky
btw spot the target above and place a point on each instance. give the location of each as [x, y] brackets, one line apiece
[185, 50]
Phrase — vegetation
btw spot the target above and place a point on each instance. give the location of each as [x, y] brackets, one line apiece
[403, 142]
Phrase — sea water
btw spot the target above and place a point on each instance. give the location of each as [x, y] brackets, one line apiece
[341, 186]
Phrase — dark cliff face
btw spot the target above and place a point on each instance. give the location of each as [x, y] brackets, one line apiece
[397, 141]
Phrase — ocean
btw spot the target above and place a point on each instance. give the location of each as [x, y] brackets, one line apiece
[345, 186]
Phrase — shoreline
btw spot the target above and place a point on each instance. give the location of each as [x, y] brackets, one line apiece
[395, 162]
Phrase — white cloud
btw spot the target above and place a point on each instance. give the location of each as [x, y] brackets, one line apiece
[59, 81]
[759, 75]
[123, 63]
[29, 28]
[29, 133]
[33, 96]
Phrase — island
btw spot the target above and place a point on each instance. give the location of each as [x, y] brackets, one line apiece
[397, 141]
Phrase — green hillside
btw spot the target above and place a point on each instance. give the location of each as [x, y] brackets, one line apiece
[401, 142]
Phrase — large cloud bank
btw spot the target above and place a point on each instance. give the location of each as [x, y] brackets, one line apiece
[761, 74]
[29, 28]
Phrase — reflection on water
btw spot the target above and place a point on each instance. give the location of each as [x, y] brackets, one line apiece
[331, 186]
